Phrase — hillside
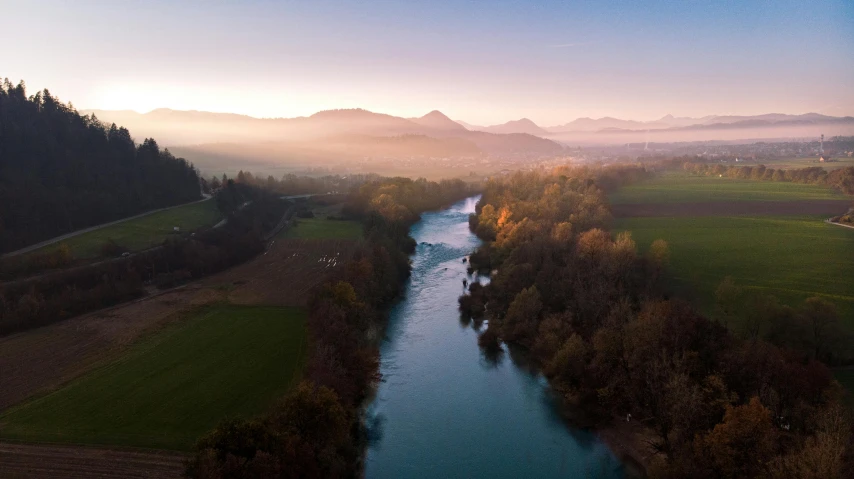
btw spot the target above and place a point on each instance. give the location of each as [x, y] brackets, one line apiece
[61, 171]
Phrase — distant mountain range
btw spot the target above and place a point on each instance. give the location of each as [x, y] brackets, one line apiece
[175, 127]
[357, 133]
[668, 122]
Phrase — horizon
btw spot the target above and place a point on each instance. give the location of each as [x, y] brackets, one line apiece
[458, 120]
[550, 63]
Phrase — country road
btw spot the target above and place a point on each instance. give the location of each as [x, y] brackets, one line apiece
[96, 227]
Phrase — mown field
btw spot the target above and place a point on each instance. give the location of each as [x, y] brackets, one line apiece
[141, 233]
[794, 163]
[684, 189]
[792, 257]
[316, 228]
[175, 385]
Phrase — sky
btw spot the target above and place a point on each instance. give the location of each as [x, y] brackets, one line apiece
[483, 62]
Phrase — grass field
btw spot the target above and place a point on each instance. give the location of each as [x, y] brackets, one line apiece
[174, 386]
[316, 228]
[795, 163]
[683, 189]
[791, 257]
[140, 233]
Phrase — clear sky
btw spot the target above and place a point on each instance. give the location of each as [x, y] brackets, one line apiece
[482, 62]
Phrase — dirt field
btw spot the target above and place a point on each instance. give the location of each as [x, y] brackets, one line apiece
[49, 462]
[37, 361]
[44, 358]
[730, 208]
[283, 275]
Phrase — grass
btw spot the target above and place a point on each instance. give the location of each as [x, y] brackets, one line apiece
[791, 257]
[684, 189]
[147, 231]
[171, 388]
[316, 228]
[796, 163]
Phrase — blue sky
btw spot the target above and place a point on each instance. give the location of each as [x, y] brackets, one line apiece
[482, 62]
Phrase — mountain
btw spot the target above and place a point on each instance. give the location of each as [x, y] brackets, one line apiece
[437, 120]
[606, 124]
[590, 124]
[517, 126]
[176, 127]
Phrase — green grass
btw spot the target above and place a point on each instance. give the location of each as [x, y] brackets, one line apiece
[790, 257]
[171, 388]
[316, 228]
[141, 233]
[684, 189]
[796, 163]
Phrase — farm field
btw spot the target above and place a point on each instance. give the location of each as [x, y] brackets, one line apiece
[175, 385]
[698, 189]
[316, 228]
[795, 163]
[791, 257]
[141, 233]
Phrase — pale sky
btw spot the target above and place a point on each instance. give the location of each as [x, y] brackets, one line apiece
[482, 62]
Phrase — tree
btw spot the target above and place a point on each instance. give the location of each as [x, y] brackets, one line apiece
[522, 318]
[743, 444]
[822, 321]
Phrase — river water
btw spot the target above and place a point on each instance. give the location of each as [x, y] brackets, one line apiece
[445, 410]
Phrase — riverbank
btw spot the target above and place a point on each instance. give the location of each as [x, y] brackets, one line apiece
[443, 408]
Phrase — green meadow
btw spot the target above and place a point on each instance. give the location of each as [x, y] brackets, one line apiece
[791, 257]
[145, 232]
[698, 189]
[176, 385]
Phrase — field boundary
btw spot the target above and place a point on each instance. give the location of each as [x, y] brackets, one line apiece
[838, 224]
[728, 208]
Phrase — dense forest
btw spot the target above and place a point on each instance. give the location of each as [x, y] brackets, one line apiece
[61, 171]
[592, 312]
[316, 431]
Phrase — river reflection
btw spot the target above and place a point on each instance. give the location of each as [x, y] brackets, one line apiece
[446, 409]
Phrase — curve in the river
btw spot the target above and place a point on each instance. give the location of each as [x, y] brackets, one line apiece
[444, 410]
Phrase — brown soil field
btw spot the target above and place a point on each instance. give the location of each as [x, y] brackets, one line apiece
[285, 274]
[49, 462]
[732, 208]
[37, 361]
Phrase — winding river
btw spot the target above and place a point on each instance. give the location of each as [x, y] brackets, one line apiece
[444, 410]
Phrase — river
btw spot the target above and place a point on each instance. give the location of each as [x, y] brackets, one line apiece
[444, 410]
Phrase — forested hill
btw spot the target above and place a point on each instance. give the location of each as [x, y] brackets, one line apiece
[61, 171]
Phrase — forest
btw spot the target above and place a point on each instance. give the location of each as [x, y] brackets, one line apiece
[316, 431]
[61, 171]
[594, 314]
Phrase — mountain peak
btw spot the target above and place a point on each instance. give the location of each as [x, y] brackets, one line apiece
[438, 120]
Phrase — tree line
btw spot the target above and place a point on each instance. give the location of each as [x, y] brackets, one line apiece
[61, 171]
[593, 313]
[316, 431]
[52, 297]
[840, 178]
[291, 184]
